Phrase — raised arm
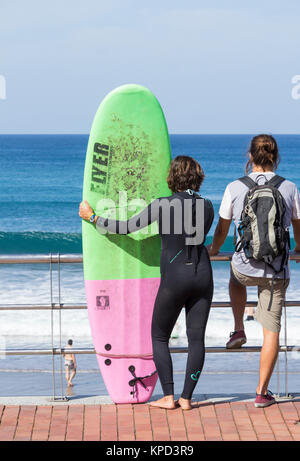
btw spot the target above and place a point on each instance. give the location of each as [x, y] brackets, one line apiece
[137, 222]
[209, 216]
[220, 235]
[222, 229]
[296, 228]
[296, 220]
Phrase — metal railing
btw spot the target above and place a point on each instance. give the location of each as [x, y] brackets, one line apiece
[59, 259]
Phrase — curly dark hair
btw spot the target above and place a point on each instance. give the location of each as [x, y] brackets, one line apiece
[264, 153]
[185, 173]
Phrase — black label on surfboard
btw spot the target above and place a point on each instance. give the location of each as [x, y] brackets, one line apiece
[99, 175]
[102, 302]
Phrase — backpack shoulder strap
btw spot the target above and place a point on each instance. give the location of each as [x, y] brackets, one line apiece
[248, 182]
[276, 181]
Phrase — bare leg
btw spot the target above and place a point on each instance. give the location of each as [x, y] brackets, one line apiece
[166, 402]
[67, 375]
[238, 299]
[72, 376]
[268, 357]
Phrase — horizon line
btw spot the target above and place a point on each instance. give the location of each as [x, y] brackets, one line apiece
[170, 134]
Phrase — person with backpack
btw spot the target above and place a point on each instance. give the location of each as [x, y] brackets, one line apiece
[186, 273]
[262, 205]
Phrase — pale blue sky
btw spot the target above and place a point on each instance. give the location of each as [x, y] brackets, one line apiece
[215, 66]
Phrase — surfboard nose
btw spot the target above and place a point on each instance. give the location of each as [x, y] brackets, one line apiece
[131, 88]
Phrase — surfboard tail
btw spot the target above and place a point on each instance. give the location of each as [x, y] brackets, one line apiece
[122, 335]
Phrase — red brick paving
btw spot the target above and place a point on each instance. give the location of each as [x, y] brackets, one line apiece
[42, 422]
[75, 423]
[226, 422]
[176, 425]
[25, 423]
[9, 421]
[159, 424]
[206, 421]
[58, 425]
[243, 422]
[91, 430]
[142, 422]
[210, 423]
[260, 423]
[125, 422]
[276, 421]
[108, 422]
[193, 424]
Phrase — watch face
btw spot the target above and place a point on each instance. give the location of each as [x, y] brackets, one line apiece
[92, 218]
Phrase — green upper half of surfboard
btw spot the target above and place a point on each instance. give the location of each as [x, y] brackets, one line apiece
[126, 166]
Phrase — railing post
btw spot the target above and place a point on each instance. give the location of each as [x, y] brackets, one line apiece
[52, 327]
[63, 397]
[278, 375]
[287, 395]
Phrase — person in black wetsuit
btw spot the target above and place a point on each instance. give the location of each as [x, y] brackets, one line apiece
[186, 273]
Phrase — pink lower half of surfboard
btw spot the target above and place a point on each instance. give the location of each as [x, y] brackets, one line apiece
[120, 314]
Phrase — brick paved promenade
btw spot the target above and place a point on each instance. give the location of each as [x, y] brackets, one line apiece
[207, 421]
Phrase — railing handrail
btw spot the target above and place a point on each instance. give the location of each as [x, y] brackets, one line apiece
[53, 258]
[58, 258]
[173, 350]
[72, 258]
[59, 307]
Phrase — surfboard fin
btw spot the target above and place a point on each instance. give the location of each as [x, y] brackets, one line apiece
[133, 382]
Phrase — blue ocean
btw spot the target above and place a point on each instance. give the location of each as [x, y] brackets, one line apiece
[41, 188]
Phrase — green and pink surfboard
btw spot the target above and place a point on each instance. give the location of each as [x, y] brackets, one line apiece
[126, 166]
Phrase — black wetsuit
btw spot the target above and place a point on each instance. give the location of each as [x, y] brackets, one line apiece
[186, 280]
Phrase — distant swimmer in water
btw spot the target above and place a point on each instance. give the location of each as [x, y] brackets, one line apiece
[70, 364]
[250, 311]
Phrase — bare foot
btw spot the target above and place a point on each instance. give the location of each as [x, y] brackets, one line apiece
[166, 402]
[185, 404]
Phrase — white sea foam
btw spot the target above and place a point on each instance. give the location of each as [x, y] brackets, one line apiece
[26, 285]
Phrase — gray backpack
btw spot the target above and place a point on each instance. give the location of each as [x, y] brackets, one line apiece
[263, 236]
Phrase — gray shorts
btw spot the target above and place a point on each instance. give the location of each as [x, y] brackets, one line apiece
[271, 320]
[69, 364]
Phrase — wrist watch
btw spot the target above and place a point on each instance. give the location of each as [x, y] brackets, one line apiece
[92, 218]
